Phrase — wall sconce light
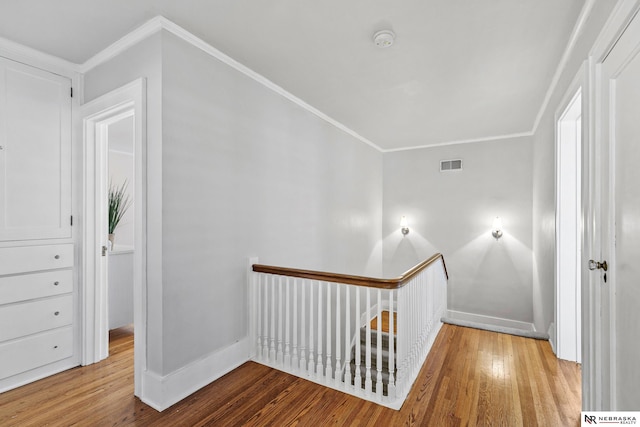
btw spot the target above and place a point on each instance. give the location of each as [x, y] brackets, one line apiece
[496, 228]
[404, 226]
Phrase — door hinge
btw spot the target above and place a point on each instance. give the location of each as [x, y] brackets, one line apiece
[71, 220]
[72, 92]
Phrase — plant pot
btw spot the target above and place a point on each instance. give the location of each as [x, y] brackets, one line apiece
[112, 239]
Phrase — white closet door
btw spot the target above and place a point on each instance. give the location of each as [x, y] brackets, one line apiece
[35, 154]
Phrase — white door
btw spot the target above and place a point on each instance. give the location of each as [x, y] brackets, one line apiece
[35, 153]
[619, 224]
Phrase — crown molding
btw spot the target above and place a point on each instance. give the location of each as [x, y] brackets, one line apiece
[622, 15]
[568, 50]
[35, 58]
[462, 141]
[142, 32]
[161, 23]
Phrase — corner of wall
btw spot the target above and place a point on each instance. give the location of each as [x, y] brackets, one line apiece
[160, 392]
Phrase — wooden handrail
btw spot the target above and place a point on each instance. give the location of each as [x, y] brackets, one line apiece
[371, 282]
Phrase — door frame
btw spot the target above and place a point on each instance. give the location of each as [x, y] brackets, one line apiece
[568, 334]
[598, 378]
[129, 99]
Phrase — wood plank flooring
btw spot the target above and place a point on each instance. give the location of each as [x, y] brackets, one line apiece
[470, 378]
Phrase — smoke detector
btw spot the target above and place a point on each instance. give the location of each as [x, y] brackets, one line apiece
[384, 38]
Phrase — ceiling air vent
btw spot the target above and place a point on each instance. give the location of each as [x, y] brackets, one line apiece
[450, 165]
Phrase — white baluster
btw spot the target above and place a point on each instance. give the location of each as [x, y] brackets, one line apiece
[379, 346]
[336, 374]
[367, 378]
[294, 356]
[265, 313]
[358, 349]
[303, 326]
[287, 325]
[391, 387]
[319, 324]
[402, 339]
[258, 337]
[280, 314]
[272, 335]
[312, 366]
[327, 366]
[347, 336]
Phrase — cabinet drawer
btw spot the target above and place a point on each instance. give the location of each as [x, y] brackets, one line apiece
[31, 317]
[24, 259]
[35, 285]
[35, 351]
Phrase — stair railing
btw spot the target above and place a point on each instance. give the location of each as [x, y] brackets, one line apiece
[329, 328]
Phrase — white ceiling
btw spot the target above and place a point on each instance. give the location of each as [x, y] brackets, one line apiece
[459, 70]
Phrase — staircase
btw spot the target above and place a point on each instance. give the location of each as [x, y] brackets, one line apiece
[336, 330]
[374, 354]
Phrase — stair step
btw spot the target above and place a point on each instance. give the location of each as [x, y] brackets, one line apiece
[385, 338]
[374, 338]
[374, 377]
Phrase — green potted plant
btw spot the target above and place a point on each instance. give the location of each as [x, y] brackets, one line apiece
[119, 202]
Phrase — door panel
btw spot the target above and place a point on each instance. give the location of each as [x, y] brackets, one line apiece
[35, 153]
[621, 229]
[626, 94]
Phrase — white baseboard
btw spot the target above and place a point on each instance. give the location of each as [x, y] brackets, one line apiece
[552, 337]
[489, 320]
[160, 392]
[36, 374]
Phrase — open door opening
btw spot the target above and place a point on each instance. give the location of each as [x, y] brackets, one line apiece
[114, 269]
[568, 337]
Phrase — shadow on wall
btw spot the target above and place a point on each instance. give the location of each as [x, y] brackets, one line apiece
[494, 278]
[407, 251]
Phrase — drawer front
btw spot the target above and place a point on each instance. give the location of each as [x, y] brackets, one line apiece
[35, 285]
[17, 320]
[24, 259]
[35, 351]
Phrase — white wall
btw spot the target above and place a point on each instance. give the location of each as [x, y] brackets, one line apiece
[544, 234]
[236, 170]
[452, 213]
[143, 60]
[121, 168]
[248, 173]
[120, 288]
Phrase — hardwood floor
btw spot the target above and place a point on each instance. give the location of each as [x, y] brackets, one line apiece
[471, 377]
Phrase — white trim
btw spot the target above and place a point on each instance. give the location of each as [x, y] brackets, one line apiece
[160, 392]
[462, 141]
[618, 21]
[552, 337]
[129, 97]
[35, 58]
[490, 320]
[145, 30]
[573, 39]
[161, 23]
[567, 335]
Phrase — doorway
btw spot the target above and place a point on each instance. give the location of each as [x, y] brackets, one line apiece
[121, 108]
[568, 340]
[120, 173]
